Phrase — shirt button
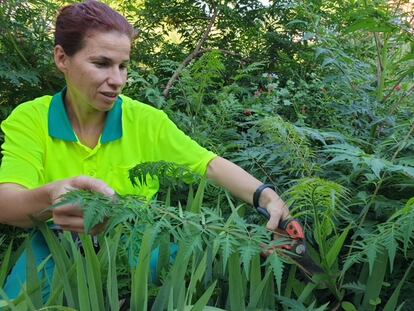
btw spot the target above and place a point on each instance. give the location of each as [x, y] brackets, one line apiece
[92, 173]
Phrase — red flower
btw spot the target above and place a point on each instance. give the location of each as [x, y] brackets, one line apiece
[247, 112]
[397, 87]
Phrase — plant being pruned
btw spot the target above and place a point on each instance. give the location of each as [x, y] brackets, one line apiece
[171, 174]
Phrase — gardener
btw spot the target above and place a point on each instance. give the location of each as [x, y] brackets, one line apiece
[89, 135]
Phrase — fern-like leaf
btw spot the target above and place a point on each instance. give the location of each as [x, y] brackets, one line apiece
[277, 266]
[168, 173]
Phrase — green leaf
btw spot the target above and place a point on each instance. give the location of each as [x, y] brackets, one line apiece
[196, 277]
[369, 24]
[334, 251]
[236, 293]
[255, 274]
[197, 203]
[163, 297]
[257, 291]
[93, 273]
[6, 301]
[277, 266]
[5, 264]
[112, 278]
[295, 305]
[83, 291]
[347, 306]
[164, 253]
[247, 251]
[33, 287]
[375, 281]
[372, 256]
[168, 173]
[62, 263]
[177, 273]
[375, 164]
[227, 243]
[391, 247]
[306, 292]
[202, 302]
[140, 274]
[393, 300]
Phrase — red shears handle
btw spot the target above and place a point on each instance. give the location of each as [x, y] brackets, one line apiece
[291, 226]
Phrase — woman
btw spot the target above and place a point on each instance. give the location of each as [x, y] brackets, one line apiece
[88, 135]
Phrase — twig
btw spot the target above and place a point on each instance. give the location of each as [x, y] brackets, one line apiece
[191, 56]
[393, 88]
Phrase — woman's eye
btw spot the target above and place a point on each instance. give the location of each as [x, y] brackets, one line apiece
[100, 64]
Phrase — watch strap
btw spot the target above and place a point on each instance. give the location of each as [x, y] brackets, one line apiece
[258, 192]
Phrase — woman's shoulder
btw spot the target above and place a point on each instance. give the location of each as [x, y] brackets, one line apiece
[37, 106]
[136, 108]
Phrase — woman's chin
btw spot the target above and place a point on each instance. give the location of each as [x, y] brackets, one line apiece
[105, 105]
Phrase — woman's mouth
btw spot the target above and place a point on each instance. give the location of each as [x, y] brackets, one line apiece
[110, 95]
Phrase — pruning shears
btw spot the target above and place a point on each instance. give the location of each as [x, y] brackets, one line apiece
[292, 229]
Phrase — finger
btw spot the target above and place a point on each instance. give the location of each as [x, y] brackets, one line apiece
[68, 221]
[73, 229]
[68, 210]
[92, 184]
[273, 222]
[285, 213]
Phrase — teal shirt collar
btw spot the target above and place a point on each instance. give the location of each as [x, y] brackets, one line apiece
[61, 128]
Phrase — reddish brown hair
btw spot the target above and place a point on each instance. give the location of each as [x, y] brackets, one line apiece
[76, 21]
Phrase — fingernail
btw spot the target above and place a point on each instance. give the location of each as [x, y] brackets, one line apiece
[109, 192]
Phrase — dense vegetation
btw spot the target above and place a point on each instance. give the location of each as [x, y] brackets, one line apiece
[313, 96]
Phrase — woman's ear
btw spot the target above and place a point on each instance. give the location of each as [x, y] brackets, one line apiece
[60, 58]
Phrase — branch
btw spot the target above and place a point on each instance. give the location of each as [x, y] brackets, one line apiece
[191, 56]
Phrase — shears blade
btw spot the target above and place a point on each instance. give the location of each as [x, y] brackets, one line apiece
[297, 249]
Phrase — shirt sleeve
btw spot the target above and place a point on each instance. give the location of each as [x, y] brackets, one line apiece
[22, 150]
[175, 146]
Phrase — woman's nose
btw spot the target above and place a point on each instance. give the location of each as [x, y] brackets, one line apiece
[116, 77]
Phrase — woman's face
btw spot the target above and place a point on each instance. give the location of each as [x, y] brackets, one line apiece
[96, 74]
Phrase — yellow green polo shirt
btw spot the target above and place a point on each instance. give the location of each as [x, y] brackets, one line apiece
[41, 147]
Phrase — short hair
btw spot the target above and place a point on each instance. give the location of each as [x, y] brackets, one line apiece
[76, 21]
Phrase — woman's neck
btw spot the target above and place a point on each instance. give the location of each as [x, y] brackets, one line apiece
[87, 122]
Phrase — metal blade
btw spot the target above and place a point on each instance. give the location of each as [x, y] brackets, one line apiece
[309, 264]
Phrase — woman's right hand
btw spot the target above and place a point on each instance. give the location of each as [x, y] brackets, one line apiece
[69, 216]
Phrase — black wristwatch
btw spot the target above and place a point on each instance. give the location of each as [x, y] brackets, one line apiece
[258, 192]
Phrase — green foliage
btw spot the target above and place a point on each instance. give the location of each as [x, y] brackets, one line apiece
[220, 239]
[170, 173]
[321, 200]
[292, 143]
[26, 62]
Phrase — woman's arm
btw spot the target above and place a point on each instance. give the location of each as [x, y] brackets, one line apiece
[18, 203]
[243, 185]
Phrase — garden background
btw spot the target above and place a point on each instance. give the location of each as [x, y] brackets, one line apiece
[315, 97]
